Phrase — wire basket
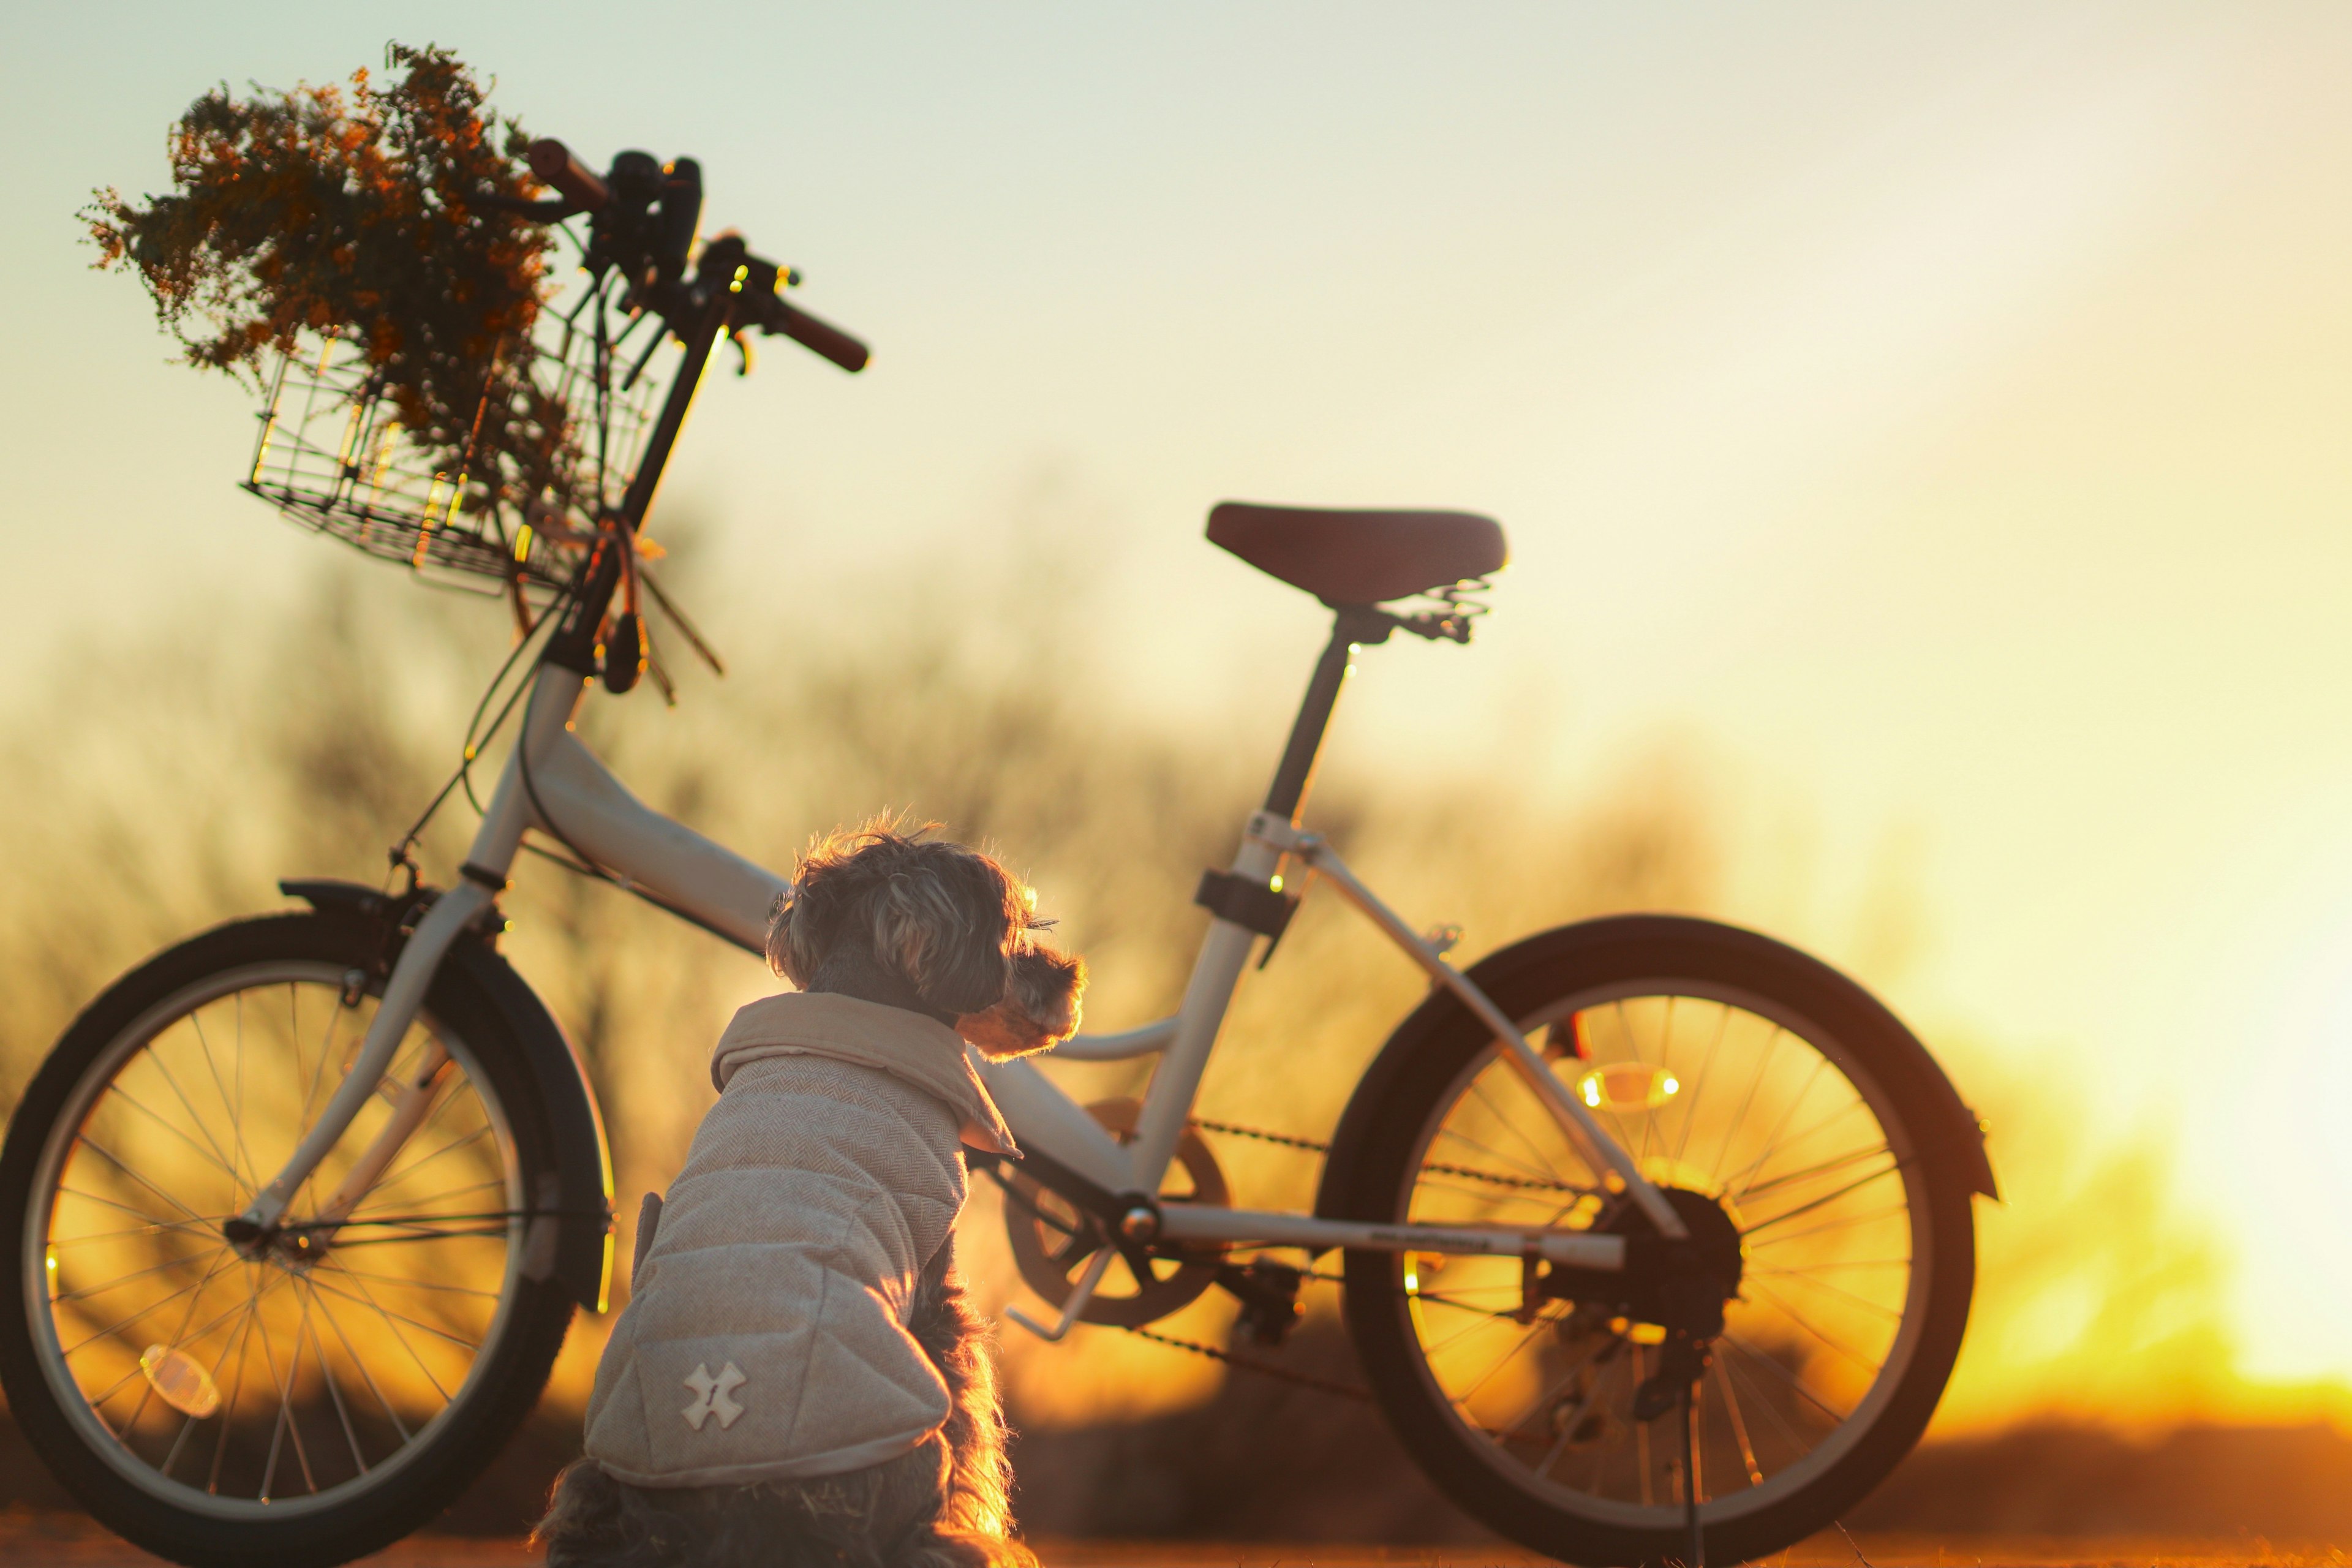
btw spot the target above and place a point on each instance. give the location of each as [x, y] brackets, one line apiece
[333, 456]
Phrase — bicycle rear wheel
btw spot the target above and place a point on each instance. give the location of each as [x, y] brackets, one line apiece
[303, 1401]
[1747, 1079]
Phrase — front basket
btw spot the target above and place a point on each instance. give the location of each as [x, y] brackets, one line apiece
[333, 457]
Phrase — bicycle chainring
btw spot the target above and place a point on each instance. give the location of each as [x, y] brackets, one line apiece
[1054, 1240]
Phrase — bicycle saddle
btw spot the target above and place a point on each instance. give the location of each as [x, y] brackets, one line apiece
[1360, 557]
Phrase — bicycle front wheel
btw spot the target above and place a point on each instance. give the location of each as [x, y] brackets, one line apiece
[307, 1399]
[1747, 1079]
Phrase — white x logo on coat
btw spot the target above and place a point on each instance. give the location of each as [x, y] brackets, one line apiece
[710, 1395]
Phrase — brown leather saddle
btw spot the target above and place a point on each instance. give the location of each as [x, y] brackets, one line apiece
[1360, 557]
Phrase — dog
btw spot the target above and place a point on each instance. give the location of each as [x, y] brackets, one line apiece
[842, 1409]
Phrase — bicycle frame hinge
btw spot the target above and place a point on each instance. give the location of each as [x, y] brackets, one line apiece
[1254, 906]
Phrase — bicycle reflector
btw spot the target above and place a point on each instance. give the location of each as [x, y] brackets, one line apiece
[180, 1382]
[1624, 1087]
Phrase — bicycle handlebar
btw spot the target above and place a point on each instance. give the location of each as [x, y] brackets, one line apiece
[645, 222]
[552, 165]
[820, 337]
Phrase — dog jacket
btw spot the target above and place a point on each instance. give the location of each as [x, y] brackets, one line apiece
[767, 1337]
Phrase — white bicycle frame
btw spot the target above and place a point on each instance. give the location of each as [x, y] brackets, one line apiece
[553, 783]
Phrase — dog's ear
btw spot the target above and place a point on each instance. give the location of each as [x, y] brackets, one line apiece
[945, 920]
[1041, 1006]
[806, 923]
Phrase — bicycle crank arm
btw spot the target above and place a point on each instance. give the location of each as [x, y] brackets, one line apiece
[403, 994]
[1569, 1248]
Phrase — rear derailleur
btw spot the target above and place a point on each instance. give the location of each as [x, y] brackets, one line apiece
[1679, 1286]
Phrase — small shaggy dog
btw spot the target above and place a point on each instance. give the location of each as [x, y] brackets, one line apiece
[799, 1381]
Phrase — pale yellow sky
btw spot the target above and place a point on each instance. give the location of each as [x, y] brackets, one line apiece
[1928, 422]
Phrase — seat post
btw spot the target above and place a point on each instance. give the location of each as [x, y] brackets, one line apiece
[1357, 625]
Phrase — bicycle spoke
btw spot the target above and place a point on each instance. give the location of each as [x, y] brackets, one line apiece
[1788, 1113]
[117, 1283]
[117, 1090]
[1698, 1085]
[155, 1058]
[120, 1324]
[318, 1068]
[1735, 1189]
[327, 1311]
[1793, 1381]
[179, 1336]
[393, 1321]
[327, 1376]
[1642, 1437]
[1803, 1278]
[86, 1141]
[1541, 1325]
[173, 1226]
[236, 1125]
[1738, 1424]
[1739, 1118]
[1805, 1323]
[280, 1429]
[1564, 1379]
[1847, 1222]
[396, 1177]
[236, 1389]
[1539, 1173]
[172, 1457]
[1543, 1167]
[419, 1284]
[1827, 1264]
[1827, 1198]
[1811, 1172]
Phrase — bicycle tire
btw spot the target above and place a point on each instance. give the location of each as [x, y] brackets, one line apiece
[1609, 983]
[380, 1502]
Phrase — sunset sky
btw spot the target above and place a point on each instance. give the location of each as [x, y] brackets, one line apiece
[1926, 428]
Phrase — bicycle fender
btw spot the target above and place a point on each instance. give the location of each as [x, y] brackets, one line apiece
[578, 1199]
[1958, 1131]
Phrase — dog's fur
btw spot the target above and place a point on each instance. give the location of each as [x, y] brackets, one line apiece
[895, 917]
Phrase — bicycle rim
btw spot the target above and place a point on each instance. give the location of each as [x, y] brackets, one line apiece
[242, 1388]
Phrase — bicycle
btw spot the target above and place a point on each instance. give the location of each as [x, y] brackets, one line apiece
[1633, 1168]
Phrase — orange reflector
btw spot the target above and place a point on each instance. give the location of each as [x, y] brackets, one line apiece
[1624, 1087]
[180, 1382]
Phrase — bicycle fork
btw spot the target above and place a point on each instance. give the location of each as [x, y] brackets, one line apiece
[450, 916]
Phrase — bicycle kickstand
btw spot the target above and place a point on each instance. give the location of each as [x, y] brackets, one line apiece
[1697, 1534]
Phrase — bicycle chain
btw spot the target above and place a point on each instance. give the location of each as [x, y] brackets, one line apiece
[1312, 1147]
[1263, 1136]
[1282, 1373]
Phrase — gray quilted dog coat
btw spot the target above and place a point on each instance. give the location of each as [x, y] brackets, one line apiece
[766, 1338]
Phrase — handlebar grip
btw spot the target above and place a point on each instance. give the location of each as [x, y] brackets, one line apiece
[821, 338]
[552, 165]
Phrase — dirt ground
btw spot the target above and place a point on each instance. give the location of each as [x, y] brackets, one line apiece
[57, 1541]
